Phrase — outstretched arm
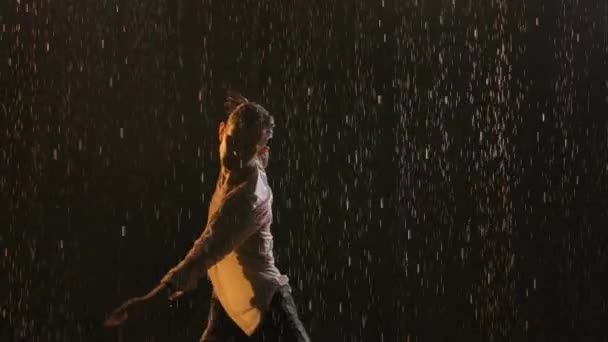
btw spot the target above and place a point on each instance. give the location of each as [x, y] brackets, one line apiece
[232, 224]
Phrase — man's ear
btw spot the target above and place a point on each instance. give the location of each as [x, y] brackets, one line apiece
[221, 130]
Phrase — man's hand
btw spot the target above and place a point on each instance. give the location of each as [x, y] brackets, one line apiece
[134, 307]
[131, 308]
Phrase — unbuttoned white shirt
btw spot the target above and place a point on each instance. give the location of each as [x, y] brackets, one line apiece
[236, 251]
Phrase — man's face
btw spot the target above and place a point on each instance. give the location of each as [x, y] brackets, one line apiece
[266, 135]
[263, 151]
[238, 147]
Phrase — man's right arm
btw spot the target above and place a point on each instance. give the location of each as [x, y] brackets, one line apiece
[234, 222]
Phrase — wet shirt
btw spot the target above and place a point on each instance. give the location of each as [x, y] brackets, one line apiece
[235, 251]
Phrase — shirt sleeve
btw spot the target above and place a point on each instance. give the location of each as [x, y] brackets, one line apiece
[230, 226]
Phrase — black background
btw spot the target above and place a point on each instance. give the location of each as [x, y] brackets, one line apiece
[439, 167]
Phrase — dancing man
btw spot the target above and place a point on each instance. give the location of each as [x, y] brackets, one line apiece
[251, 299]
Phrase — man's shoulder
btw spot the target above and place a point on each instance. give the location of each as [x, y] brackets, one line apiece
[245, 195]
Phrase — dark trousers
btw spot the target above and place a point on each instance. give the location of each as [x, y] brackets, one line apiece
[280, 324]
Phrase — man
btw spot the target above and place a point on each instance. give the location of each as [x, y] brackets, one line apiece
[251, 299]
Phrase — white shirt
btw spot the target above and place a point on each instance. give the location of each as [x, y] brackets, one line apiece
[235, 250]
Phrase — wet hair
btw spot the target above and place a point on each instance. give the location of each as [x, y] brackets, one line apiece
[245, 114]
